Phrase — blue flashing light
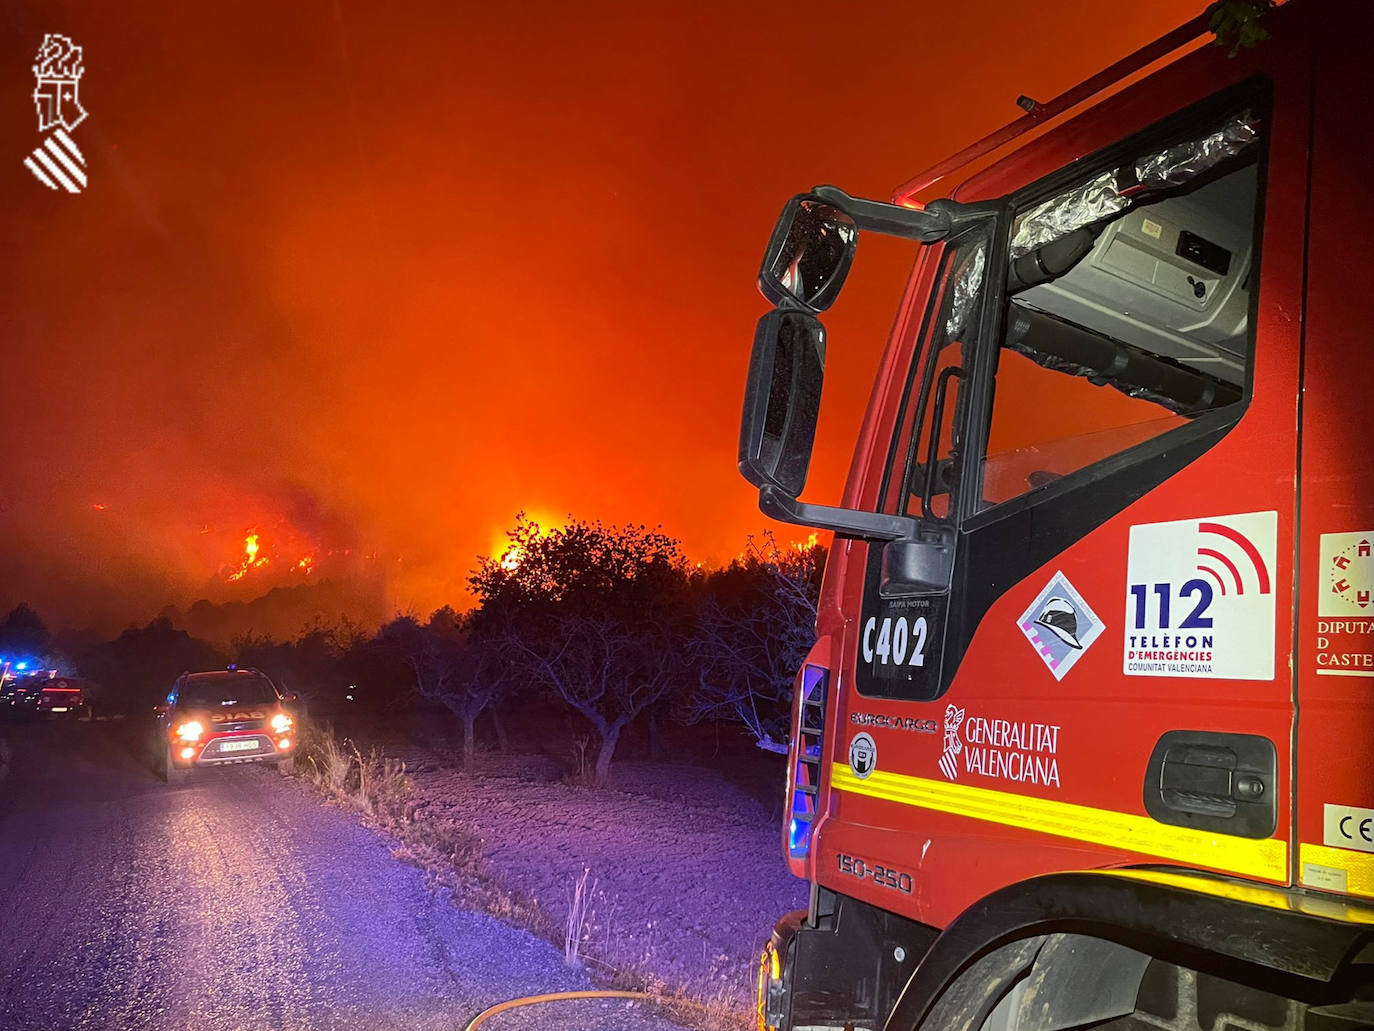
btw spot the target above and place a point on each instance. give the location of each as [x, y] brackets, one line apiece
[21, 665]
[799, 837]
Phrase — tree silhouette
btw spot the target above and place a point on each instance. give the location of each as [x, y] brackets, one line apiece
[757, 622]
[139, 666]
[598, 614]
[23, 634]
[454, 663]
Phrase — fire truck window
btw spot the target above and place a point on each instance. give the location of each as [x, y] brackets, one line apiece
[929, 485]
[1140, 324]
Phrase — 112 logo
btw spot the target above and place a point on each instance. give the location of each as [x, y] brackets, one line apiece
[1200, 597]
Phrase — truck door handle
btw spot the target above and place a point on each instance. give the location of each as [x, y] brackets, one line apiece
[1214, 781]
[1204, 779]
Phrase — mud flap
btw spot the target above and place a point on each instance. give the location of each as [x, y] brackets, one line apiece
[844, 967]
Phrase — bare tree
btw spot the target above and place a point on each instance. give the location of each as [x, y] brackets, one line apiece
[454, 664]
[606, 669]
[757, 621]
[597, 614]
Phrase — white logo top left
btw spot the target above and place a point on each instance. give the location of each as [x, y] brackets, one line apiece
[57, 163]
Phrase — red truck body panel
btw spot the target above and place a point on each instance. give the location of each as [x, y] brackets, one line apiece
[956, 834]
[1334, 630]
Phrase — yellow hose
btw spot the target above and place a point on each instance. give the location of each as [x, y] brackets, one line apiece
[534, 1000]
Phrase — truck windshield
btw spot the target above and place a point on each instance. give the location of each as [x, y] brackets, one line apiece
[226, 690]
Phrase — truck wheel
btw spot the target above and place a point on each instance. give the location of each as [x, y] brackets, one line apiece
[986, 997]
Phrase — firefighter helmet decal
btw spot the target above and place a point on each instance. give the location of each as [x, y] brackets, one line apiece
[1059, 618]
[1059, 625]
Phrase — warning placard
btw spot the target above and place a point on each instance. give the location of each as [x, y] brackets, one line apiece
[1200, 598]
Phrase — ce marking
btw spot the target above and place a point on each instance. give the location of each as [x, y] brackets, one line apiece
[1348, 826]
[1365, 826]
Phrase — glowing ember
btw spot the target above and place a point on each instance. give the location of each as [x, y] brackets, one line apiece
[305, 564]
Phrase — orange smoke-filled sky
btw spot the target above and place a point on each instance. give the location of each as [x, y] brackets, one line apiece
[370, 278]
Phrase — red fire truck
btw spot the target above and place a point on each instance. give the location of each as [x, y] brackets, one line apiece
[1085, 736]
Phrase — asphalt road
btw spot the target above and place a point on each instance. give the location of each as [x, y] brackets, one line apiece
[237, 900]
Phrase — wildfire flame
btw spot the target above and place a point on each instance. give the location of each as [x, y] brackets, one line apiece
[251, 559]
[256, 555]
[510, 561]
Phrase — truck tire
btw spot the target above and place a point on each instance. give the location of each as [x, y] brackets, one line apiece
[286, 767]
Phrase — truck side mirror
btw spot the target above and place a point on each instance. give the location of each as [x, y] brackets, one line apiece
[782, 400]
[809, 254]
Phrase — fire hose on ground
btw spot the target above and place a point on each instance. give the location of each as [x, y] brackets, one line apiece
[534, 1000]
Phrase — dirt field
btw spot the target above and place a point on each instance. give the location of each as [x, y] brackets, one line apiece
[681, 869]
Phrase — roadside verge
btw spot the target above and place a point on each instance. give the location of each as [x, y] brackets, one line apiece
[665, 883]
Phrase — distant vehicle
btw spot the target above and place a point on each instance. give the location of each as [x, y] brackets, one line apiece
[225, 716]
[57, 696]
[20, 692]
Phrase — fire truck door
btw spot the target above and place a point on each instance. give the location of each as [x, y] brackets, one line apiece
[1112, 450]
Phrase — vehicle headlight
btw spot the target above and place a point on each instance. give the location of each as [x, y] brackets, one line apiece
[191, 730]
[281, 722]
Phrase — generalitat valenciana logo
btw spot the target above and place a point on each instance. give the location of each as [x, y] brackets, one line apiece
[57, 162]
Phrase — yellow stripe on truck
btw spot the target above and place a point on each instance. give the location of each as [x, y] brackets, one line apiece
[1256, 894]
[1319, 862]
[1249, 857]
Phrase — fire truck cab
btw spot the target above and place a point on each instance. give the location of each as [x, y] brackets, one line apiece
[1085, 736]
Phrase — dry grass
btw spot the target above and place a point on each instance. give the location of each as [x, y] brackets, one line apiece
[378, 788]
[580, 774]
[577, 932]
[451, 855]
[371, 782]
[719, 1011]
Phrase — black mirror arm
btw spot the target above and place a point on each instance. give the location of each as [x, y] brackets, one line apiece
[939, 219]
[873, 526]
